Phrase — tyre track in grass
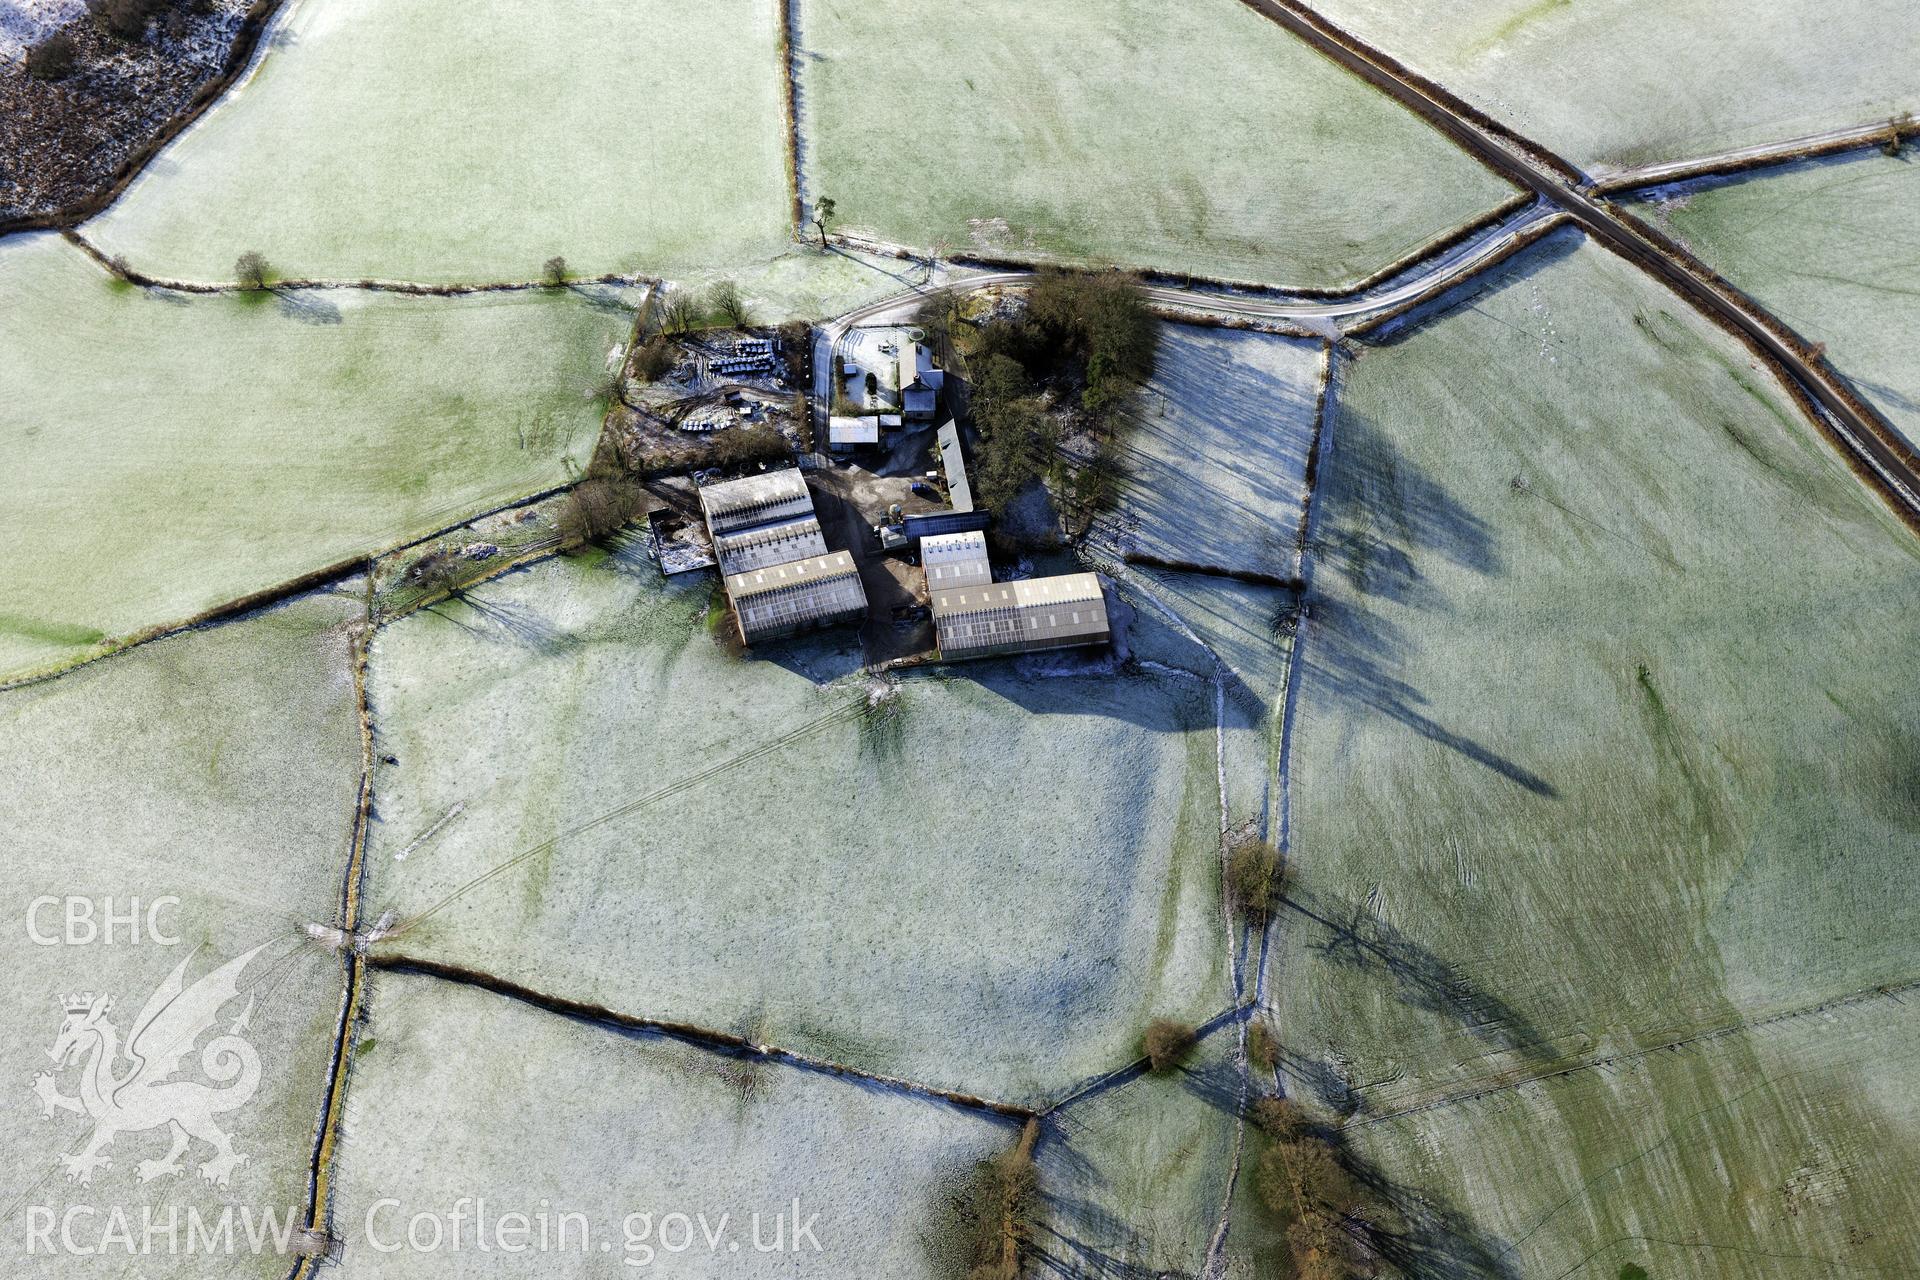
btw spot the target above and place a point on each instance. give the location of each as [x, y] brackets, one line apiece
[1499, 1085]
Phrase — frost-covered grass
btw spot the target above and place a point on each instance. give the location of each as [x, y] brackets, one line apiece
[1215, 452]
[1782, 1153]
[1637, 81]
[440, 141]
[1829, 247]
[1134, 1176]
[1602, 740]
[532, 1112]
[1194, 137]
[166, 453]
[220, 768]
[805, 283]
[990, 888]
[1234, 624]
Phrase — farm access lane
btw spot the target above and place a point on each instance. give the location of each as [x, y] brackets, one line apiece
[1880, 452]
[1323, 318]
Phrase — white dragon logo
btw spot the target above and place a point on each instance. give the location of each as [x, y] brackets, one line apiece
[143, 1096]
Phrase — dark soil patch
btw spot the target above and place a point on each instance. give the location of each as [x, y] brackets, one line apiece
[68, 146]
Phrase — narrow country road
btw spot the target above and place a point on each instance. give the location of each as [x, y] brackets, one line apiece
[1327, 318]
[1874, 444]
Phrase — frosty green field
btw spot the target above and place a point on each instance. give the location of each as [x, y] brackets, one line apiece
[1600, 743]
[1192, 138]
[1215, 452]
[1135, 1175]
[218, 769]
[540, 1113]
[765, 857]
[1637, 81]
[1780, 1153]
[437, 141]
[1829, 248]
[1216, 627]
[167, 452]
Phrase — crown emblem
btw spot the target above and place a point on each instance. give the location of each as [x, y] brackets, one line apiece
[77, 1003]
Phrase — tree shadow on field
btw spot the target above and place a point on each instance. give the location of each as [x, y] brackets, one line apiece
[1354, 938]
[1423, 1239]
[1079, 1232]
[1215, 457]
[308, 306]
[515, 623]
[610, 299]
[1386, 516]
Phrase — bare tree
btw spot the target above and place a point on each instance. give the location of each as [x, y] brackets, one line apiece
[822, 214]
[679, 315]
[596, 507]
[251, 269]
[555, 271]
[53, 58]
[723, 299]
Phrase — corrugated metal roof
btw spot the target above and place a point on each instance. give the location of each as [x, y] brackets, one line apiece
[761, 545]
[955, 560]
[1020, 617]
[770, 496]
[784, 598]
[853, 429]
[931, 524]
[791, 574]
[954, 463]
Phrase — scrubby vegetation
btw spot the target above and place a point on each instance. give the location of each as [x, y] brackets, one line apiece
[1167, 1042]
[655, 358]
[126, 19]
[1254, 876]
[1263, 1050]
[596, 507]
[740, 447]
[996, 1210]
[1301, 1178]
[1078, 351]
[53, 58]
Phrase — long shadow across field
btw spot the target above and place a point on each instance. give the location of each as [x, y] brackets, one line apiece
[1383, 515]
[1080, 1237]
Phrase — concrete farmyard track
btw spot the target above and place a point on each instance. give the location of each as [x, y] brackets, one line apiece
[1877, 450]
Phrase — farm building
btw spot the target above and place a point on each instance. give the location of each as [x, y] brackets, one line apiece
[920, 382]
[756, 500]
[954, 463]
[955, 560]
[783, 598]
[1020, 617]
[779, 575]
[847, 432]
